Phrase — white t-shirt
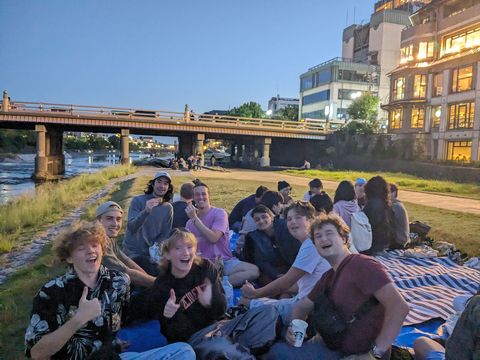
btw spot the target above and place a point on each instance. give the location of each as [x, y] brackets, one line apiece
[307, 196]
[313, 264]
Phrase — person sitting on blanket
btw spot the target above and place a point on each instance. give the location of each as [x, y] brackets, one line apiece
[307, 269]
[322, 203]
[187, 294]
[210, 226]
[243, 207]
[263, 249]
[463, 343]
[78, 314]
[353, 281]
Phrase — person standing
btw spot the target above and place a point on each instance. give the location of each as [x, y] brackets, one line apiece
[150, 219]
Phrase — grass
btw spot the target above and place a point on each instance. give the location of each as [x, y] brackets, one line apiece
[404, 181]
[50, 203]
[16, 295]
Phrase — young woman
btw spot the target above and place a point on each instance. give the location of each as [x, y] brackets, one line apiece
[344, 202]
[187, 294]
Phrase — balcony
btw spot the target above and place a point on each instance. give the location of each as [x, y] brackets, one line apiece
[465, 18]
[420, 30]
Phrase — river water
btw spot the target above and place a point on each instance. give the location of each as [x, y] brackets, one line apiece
[15, 174]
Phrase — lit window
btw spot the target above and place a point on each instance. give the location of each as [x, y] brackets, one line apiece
[466, 40]
[436, 116]
[461, 116]
[396, 119]
[425, 50]
[462, 78]
[437, 84]
[459, 150]
[417, 118]
[399, 88]
[420, 86]
[406, 54]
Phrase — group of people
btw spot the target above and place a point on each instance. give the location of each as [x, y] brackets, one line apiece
[292, 260]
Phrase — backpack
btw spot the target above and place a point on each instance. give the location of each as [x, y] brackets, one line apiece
[360, 232]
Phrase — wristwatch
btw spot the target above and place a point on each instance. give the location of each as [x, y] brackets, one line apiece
[376, 352]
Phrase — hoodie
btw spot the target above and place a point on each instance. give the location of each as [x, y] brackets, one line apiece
[345, 209]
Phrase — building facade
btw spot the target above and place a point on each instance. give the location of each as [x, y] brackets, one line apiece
[434, 93]
[277, 103]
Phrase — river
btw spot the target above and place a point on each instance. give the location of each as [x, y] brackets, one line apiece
[15, 174]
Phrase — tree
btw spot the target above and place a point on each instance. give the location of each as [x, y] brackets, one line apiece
[365, 110]
[250, 109]
[290, 112]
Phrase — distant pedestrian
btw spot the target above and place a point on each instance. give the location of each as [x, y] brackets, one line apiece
[306, 165]
[213, 160]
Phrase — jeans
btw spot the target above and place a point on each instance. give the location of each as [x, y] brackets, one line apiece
[175, 351]
[312, 349]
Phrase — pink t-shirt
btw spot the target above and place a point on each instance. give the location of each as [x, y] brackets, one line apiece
[215, 219]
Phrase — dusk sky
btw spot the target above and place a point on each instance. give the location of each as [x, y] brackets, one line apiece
[211, 54]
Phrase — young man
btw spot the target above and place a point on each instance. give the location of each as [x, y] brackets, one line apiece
[150, 219]
[180, 218]
[401, 227]
[306, 270]
[110, 215]
[354, 282]
[285, 189]
[80, 312]
[210, 225]
[360, 192]
[316, 188]
[243, 207]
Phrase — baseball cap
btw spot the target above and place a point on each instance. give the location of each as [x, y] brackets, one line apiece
[360, 181]
[162, 174]
[106, 207]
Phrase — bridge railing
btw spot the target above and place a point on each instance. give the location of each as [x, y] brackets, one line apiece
[185, 118]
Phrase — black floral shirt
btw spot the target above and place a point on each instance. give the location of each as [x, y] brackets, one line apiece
[57, 302]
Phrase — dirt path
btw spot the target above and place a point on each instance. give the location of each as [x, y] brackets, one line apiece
[427, 199]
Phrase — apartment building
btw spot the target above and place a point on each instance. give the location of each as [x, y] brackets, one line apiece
[434, 92]
[277, 103]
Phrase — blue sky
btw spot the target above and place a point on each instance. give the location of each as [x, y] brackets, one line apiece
[158, 54]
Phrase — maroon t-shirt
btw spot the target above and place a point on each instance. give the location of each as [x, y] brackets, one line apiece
[357, 278]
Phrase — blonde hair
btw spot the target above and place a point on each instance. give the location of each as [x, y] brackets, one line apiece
[332, 219]
[168, 244]
[82, 231]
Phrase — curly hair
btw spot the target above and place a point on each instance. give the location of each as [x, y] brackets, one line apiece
[168, 195]
[332, 219]
[78, 233]
[175, 235]
[378, 188]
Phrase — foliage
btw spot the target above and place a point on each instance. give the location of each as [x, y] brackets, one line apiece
[250, 109]
[290, 112]
[364, 108]
[15, 141]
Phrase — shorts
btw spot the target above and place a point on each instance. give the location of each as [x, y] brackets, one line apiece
[230, 265]
[435, 355]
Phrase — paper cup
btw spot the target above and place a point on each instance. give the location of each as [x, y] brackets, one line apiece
[299, 327]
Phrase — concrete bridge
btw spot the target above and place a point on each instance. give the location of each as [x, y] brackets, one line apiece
[251, 138]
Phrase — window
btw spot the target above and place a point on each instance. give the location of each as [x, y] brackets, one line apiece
[342, 113]
[436, 116]
[461, 115]
[437, 84]
[348, 94]
[396, 119]
[417, 118]
[425, 50]
[323, 76]
[306, 82]
[406, 54]
[420, 86]
[319, 114]
[459, 150]
[317, 97]
[352, 75]
[465, 40]
[462, 78]
[399, 88]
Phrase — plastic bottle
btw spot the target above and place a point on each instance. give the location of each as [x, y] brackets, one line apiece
[228, 291]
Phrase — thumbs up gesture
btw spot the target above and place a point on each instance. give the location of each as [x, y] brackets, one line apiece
[171, 306]
[87, 309]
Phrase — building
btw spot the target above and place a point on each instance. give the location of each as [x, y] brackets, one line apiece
[434, 94]
[277, 103]
[327, 89]
[370, 51]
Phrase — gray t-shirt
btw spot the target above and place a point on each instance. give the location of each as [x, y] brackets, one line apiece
[144, 228]
[114, 257]
[313, 264]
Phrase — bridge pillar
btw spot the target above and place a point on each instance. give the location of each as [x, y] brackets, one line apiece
[265, 159]
[185, 146]
[49, 160]
[5, 101]
[124, 151]
[199, 139]
[240, 154]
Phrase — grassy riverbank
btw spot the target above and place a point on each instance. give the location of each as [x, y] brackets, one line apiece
[404, 181]
[16, 295]
[49, 203]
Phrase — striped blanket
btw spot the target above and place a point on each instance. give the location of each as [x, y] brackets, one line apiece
[429, 285]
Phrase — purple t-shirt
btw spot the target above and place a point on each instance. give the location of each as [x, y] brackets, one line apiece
[215, 219]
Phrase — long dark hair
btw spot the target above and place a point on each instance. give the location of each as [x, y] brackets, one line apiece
[378, 188]
[168, 195]
[345, 191]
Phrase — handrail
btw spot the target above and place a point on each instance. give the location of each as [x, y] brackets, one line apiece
[184, 118]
